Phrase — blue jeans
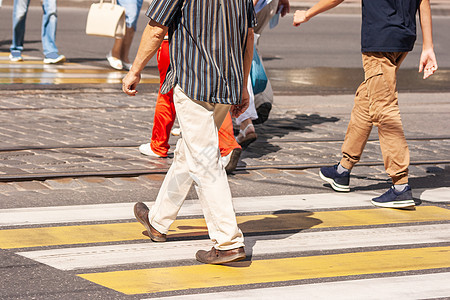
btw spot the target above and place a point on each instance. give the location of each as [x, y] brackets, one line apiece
[49, 20]
[132, 9]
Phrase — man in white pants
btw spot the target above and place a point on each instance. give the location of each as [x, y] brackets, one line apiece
[209, 68]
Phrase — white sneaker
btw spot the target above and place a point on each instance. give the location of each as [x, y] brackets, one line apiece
[55, 59]
[147, 150]
[126, 66]
[15, 56]
[176, 131]
[115, 63]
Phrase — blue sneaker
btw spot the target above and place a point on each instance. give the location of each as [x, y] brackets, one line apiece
[15, 56]
[54, 58]
[394, 199]
[339, 182]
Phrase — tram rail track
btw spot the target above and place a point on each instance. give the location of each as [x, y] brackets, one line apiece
[140, 172]
[149, 171]
[260, 141]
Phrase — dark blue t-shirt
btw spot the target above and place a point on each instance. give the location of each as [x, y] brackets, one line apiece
[388, 25]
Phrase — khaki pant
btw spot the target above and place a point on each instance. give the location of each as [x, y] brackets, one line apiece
[376, 103]
[197, 159]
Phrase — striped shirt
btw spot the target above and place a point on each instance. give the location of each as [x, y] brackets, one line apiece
[207, 44]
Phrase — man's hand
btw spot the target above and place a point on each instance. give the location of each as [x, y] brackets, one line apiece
[300, 17]
[427, 63]
[237, 110]
[130, 82]
[151, 40]
[286, 7]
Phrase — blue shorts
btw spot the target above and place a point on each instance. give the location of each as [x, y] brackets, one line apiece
[132, 10]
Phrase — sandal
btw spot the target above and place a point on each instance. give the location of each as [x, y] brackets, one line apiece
[115, 63]
[245, 138]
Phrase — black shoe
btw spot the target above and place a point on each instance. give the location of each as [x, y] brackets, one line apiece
[263, 112]
[339, 182]
[394, 199]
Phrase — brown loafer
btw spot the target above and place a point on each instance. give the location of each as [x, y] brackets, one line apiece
[215, 256]
[232, 164]
[141, 213]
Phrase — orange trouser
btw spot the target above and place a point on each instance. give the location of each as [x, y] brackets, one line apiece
[165, 114]
[376, 103]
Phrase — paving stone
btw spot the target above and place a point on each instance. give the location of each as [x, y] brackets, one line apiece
[153, 177]
[33, 185]
[99, 123]
[64, 183]
[96, 181]
[10, 162]
[7, 187]
[9, 171]
[270, 171]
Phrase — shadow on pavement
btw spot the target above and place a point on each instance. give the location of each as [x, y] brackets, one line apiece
[5, 44]
[81, 60]
[438, 177]
[279, 224]
[279, 128]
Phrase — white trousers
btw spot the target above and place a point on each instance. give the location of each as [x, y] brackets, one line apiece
[197, 159]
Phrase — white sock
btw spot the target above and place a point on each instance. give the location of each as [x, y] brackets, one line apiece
[400, 187]
[341, 169]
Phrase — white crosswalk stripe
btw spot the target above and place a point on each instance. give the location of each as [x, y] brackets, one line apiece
[429, 286]
[436, 195]
[104, 256]
[93, 257]
[123, 211]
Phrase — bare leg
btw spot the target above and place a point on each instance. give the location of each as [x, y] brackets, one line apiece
[247, 134]
[116, 49]
[244, 125]
[126, 45]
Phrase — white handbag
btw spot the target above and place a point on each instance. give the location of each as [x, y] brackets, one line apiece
[106, 19]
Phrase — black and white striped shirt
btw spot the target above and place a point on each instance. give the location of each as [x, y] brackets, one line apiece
[207, 44]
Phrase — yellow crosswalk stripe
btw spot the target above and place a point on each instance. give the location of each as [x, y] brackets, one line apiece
[99, 233]
[26, 62]
[33, 71]
[70, 80]
[274, 270]
[59, 70]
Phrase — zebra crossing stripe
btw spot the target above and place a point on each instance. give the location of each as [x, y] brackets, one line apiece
[33, 71]
[427, 286]
[124, 211]
[265, 223]
[272, 270]
[436, 195]
[77, 258]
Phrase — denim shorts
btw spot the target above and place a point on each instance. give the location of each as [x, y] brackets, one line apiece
[132, 9]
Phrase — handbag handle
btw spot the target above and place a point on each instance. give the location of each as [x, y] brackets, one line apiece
[112, 1]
